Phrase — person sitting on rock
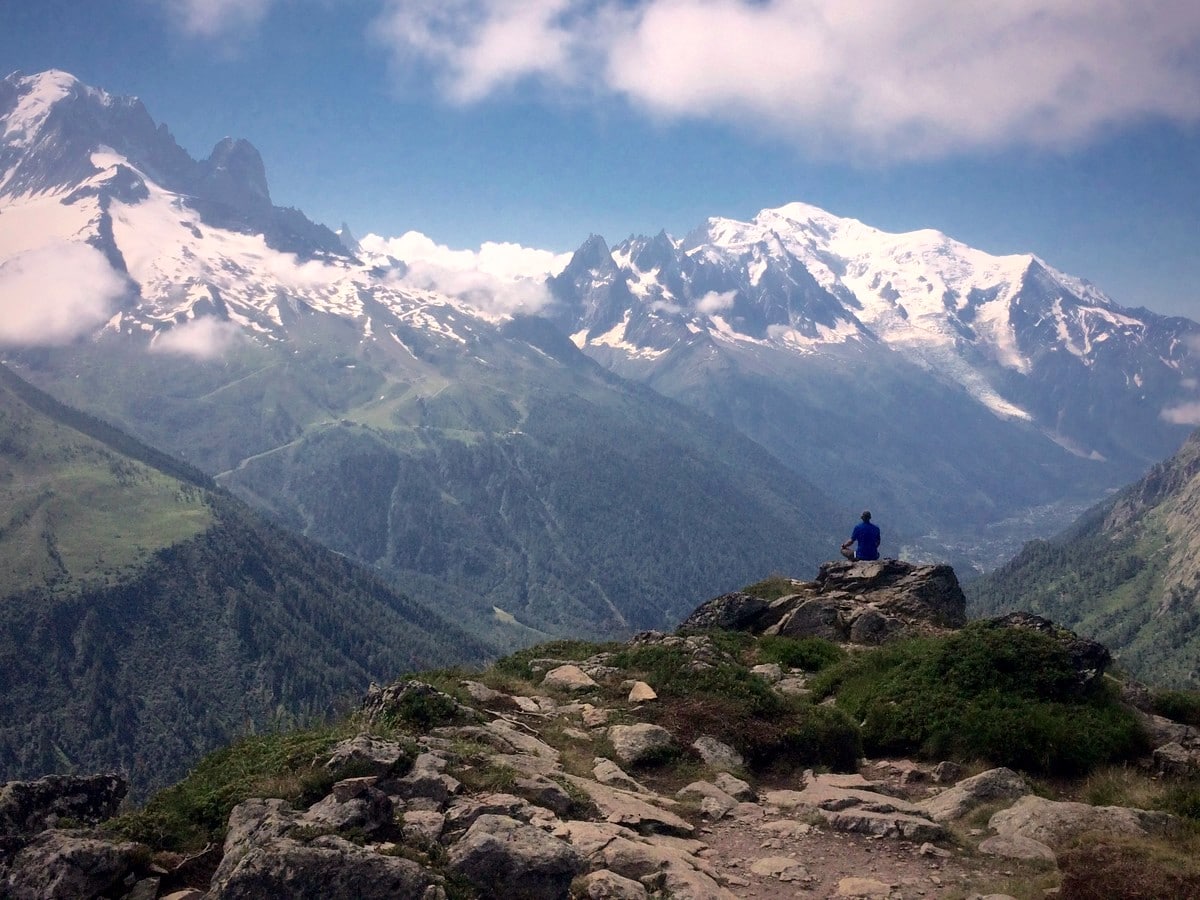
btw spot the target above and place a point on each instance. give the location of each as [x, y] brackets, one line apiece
[867, 536]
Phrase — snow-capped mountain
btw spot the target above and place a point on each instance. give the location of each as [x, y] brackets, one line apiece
[200, 243]
[479, 459]
[812, 333]
[796, 278]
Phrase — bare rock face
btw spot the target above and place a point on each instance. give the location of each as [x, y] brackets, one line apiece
[27, 807]
[58, 864]
[850, 602]
[264, 859]
[1056, 823]
[506, 858]
[732, 612]
[970, 793]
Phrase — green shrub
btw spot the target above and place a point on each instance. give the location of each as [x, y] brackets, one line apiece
[669, 670]
[810, 654]
[1181, 706]
[1183, 800]
[808, 736]
[1004, 695]
[195, 811]
[424, 709]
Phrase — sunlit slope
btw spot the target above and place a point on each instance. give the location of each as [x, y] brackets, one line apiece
[74, 509]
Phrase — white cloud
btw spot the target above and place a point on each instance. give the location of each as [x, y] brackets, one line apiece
[481, 45]
[499, 278]
[1183, 414]
[202, 338]
[902, 79]
[712, 302]
[215, 18]
[55, 294]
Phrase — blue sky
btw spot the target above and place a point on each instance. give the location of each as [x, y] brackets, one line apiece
[1069, 129]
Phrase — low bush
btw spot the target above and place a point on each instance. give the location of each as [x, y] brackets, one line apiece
[1180, 706]
[771, 588]
[195, 811]
[810, 654]
[669, 670]
[1003, 695]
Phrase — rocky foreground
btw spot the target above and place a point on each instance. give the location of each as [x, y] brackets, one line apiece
[558, 785]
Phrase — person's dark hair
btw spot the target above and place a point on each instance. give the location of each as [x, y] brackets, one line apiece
[866, 516]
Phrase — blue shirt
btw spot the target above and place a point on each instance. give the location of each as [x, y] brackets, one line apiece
[866, 539]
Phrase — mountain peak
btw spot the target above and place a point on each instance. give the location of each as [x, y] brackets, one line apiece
[26, 101]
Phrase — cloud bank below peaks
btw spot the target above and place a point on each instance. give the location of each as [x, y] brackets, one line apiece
[56, 294]
[498, 279]
[899, 80]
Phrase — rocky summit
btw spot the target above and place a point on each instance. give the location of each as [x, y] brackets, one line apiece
[719, 762]
[861, 602]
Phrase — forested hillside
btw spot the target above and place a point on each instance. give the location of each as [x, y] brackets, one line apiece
[145, 619]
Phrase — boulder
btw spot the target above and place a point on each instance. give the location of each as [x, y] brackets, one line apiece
[416, 702]
[721, 803]
[58, 865]
[729, 612]
[466, 811]
[913, 594]
[734, 787]
[717, 754]
[28, 807]
[354, 803]
[506, 858]
[569, 678]
[608, 772]
[970, 793]
[1057, 823]
[641, 693]
[857, 602]
[640, 743]
[544, 792]
[1173, 760]
[1013, 846]
[366, 754]
[329, 868]
[629, 810]
[606, 885]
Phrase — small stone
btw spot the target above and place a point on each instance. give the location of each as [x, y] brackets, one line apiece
[866, 888]
[928, 849]
[947, 772]
[776, 866]
[480, 692]
[734, 787]
[594, 717]
[641, 693]
[768, 672]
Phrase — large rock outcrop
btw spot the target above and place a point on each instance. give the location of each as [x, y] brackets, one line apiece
[850, 602]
